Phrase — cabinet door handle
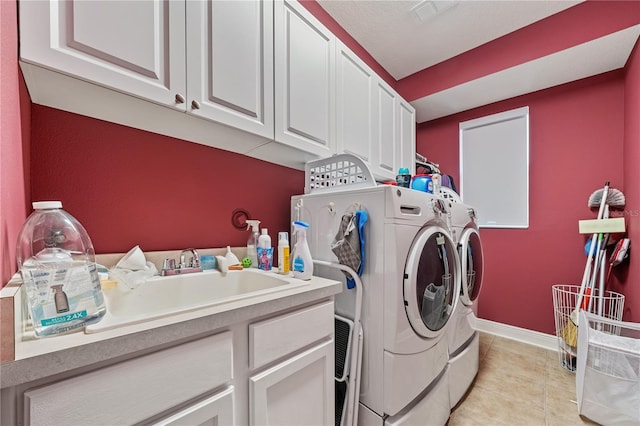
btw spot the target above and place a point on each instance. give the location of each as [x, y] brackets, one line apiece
[179, 98]
[195, 104]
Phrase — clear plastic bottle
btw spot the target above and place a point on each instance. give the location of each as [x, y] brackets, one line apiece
[252, 242]
[302, 261]
[57, 263]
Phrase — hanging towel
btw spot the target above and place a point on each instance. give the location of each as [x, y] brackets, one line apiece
[348, 244]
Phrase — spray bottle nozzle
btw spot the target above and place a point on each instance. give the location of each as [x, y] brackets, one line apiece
[299, 225]
[252, 224]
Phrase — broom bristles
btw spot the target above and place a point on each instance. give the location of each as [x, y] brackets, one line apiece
[570, 334]
[615, 198]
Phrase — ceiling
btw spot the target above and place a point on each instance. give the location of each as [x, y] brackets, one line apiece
[404, 39]
[403, 43]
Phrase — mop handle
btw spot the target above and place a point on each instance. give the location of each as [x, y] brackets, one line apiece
[587, 268]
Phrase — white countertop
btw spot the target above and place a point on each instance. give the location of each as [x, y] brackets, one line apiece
[36, 358]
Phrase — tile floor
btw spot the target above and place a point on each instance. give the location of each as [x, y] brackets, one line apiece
[518, 384]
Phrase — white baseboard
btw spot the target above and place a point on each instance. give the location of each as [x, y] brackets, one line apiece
[536, 338]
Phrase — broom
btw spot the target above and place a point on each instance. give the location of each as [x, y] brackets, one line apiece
[599, 198]
[570, 329]
[614, 198]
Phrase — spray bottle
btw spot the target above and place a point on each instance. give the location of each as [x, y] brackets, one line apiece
[302, 261]
[252, 242]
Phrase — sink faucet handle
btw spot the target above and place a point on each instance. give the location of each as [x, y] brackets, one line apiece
[169, 264]
[195, 261]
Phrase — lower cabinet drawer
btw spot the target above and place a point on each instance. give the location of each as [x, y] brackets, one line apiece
[277, 337]
[134, 390]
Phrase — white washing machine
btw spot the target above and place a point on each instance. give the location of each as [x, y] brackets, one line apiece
[411, 283]
[463, 339]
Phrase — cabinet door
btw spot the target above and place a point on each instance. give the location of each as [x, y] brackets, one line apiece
[386, 160]
[216, 410]
[304, 80]
[354, 105]
[298, 391]
[230, 63]
[133, 46]
[407, 135]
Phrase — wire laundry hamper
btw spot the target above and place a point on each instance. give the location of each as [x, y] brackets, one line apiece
[565, 297]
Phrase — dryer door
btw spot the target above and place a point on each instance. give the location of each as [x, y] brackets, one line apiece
[472, 263]
[431, 281]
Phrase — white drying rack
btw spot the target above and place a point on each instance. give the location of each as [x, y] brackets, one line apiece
[354, 365]
[340, 171]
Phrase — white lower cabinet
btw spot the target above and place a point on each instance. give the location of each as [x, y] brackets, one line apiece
[297, 388]
[135, 390]
[216, 410]
[298, 391]
[276, 370]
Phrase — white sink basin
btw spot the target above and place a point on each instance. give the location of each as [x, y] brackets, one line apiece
[165, 296]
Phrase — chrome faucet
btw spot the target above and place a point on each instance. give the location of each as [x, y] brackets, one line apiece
[194, 262]
[184, 267]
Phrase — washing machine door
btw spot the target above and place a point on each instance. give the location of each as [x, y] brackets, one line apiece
[472, 263]
[431, 281]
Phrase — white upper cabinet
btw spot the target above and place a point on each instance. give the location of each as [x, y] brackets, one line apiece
[230, 63]
[264, 67]
[136, 47]
[386, 152]
[406, 145]
[373, 121]
[354, 110]
[213, 59]
[304, 80]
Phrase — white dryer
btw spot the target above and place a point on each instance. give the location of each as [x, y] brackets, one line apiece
[411, 284]
[463, 339]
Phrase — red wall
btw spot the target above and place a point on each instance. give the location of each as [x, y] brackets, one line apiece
[576, 144]
[631, 286]
[14, 142]
[582, 134]
[130, 187]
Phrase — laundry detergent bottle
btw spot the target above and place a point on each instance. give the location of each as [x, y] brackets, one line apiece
[57, 263]
[302, 263]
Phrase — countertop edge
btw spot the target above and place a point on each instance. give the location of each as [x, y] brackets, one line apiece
[115, 349]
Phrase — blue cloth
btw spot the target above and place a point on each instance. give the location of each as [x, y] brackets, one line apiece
[361, 218]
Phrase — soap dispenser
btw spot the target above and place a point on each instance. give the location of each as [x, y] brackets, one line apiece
[252, 242]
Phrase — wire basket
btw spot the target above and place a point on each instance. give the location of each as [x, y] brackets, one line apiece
[565, 298]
